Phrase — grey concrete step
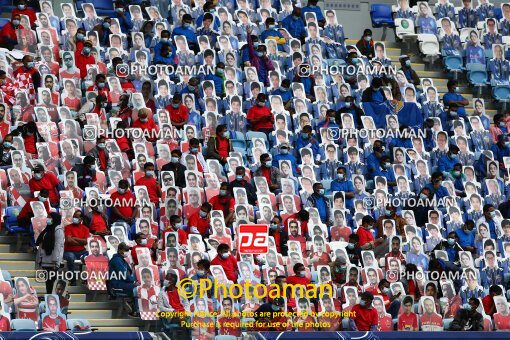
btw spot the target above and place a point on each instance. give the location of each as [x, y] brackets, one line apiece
[116, 322]
[92, 313]
[392, 44]
[7, 239]
[393, 53]
[117, 329]
[78, 289]
[416, 66]
[393, 50]
[440, 82]
[17, 256]
[78, 305]
[431, 74]
[35, 282]
[100, 297]
[93, 297]
[41, 289]
[76, 298]
[19, 265]
[443, 89]
[22, 272]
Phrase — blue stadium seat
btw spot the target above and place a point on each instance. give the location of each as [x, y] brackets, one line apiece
[381, 15]
[6, 275]
[488, 54]
[498, 13]
[101, 4]
[239, 135]
[7, 6]
[243, 154]
[506, 278]
[245, 158]
[241, 150]
[11, 220]
[255, 134]
[453, 63]
[225, 337]
[345, 324]
[239, 143]
[470, 67]
[32, 236]
[314, 276]
[42, 308]
[501, 92]
[446, 323]
[326, 183]
[3, 22]
[477, 76]
[23, 325]
[103, 7]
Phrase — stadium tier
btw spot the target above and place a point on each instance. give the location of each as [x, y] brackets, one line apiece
[231, 169]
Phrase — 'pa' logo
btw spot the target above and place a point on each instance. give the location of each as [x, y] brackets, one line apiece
[253, 238]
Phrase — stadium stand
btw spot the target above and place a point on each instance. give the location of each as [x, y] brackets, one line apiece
[141, 143]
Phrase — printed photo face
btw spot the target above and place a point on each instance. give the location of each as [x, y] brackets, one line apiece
[501, 305]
